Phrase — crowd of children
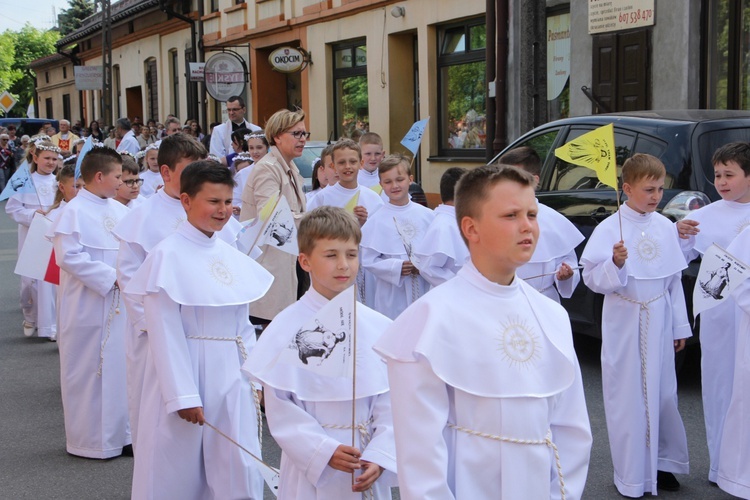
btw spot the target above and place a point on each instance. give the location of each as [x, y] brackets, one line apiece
[480, 394]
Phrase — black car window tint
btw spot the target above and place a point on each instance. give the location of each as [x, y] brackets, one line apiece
[657, 148]
[709, 142]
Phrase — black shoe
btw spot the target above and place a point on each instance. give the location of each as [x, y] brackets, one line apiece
[127, 450]
[666, 481]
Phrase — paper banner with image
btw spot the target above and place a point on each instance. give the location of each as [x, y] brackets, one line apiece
[19, 183]
[719, 275]
[280, 231]
[349, 207]
[324, 344]
[37, 257]
[413, 137]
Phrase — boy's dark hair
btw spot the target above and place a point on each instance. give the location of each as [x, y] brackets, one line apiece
[327, 222]
[101, 159]
[177, 147]
[345, 144]
[738, 152]
[524, 157]
[473, 188]
[130, 165]
[394, 160]
[448, 183]
[200, 172]
[642, 166]
[239, 100]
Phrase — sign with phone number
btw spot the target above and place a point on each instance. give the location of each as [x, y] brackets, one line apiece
[616, 15]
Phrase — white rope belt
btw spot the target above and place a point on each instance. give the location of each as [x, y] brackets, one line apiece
[361, 284]
[542, 290]
[644, 312]
[364, 439]
[243, 353]
[415, 288]
[114, 308]
[547, 441]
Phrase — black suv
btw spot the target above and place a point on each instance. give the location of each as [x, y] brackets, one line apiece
[684, 140]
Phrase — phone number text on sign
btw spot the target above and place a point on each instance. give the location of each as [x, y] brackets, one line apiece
[614, 15]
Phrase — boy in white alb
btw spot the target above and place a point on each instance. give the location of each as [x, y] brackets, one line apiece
[442, 252]
[734, 457]
[195, 290]
[38, 310]
[388, 240]
[720, 222]
[92, 321]
[372, 154]
[486, 389]
[139, 232]
[644, 322]
[310, 414]
[552, 269]
[347, 158]
[129, 191]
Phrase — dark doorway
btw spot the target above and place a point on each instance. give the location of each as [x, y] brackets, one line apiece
[621, 71]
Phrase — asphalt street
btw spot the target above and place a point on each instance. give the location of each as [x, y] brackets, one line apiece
[35, 465]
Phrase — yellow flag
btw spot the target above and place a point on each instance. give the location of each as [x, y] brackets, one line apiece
[349, 207]
[594, 150]
[377, 188]
[268, 208]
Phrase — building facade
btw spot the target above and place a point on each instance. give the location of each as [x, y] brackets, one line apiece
[381, 65]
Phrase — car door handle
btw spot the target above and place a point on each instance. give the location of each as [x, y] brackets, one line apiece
[601, 213]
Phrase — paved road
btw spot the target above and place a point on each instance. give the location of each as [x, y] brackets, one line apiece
[34, 464]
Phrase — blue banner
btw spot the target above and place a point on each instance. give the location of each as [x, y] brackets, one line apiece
[413, 137]
[19, 182]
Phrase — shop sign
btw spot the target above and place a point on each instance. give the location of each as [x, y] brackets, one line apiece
[615, 15]
[88, 77]
[225, 75]
[558, 54]
[196, 71]
[289, 59]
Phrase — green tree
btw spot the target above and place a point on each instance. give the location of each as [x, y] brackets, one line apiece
[17, 50]
[70, 19]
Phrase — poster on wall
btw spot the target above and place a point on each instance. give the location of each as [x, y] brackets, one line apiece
[615, 15]
[558, 54]
[88, 77]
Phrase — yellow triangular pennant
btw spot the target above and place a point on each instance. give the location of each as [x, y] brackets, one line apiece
[594, 150]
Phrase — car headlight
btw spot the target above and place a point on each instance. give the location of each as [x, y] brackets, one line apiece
[684, 203]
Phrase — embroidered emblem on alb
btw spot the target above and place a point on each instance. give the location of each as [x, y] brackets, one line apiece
[742, 225]
[44, 190]
[220, 272]
[109, 223]
[647, 250]
[408, 229]
[177, 222]
[518, 342]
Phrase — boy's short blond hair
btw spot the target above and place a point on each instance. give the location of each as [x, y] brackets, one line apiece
[394, 160]
[371, 138]
[642, 166]
[280, 122]
[473, 188]
[327, 223]
[345, 144]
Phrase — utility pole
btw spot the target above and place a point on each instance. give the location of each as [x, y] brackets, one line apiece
[106, 95]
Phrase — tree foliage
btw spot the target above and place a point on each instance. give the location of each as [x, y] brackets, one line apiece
[17, 50]
[70, 19]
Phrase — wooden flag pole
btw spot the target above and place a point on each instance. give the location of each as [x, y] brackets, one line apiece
[619, 213]
[354, 374]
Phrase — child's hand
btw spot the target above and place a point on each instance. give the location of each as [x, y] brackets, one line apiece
[564, 273]
[408, 268]
[365, 481]
[192, 415]
[236, 210]
[687, 228]
[619, 254]
[679, 345]
[360, 213]
[40, 211]
[345, 459]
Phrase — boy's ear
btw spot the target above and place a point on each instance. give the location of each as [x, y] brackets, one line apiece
[304, 262]
[165, 172]
[469, 229]
[185, 200]
[627, 189]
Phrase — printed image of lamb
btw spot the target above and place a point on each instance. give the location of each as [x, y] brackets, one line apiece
[318, 342]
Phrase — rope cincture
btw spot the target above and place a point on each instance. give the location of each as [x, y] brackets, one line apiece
[547, 441]
[643, 347]
[243, 352]
[364, 440]
[114, 308]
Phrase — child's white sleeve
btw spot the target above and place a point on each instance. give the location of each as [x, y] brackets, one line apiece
[19, 212]
[566, 287]
[680, 321]
[420, 411]
[130, 256]
[169, 351]
[571, 433]
[604, 277]
[383, 268]
[298, 434]
[73, 259]
[436, 269]
[381, 449]
[741, 296]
